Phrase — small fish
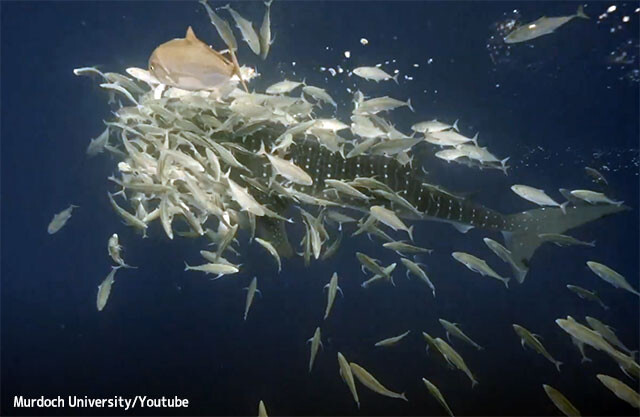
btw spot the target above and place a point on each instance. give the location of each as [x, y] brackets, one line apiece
[543, 26]
[505, 254]
[593, 197]
[117, 87]
[449, 154]
[587, 295]
[60, 219]
[104, 289]
[371, 264]
[394, 146]
[225, 241]
[269, 247]
[392, 340]
[252, 289]
[560, 401]
[262, 410]
[346, 189]
[316, 342]
[347, 377]
[415, 269]
[389, 218]
[449, 138]
[221, 25]
[319, 94]
[564, 240]
[143, 75]
[454, 359]
[479, 265]
[608, 333]
[114, 248]
[597, 176]
[452, 329]
[595, 340]
[265, 32]
[333, 125]
[211, 268]
[438, 395]
[480, 154]
[532, 340]
[611, 276]
[620, 389]
[401, 247]
[246, 201]
[87, 71]
[374, 74]
[396, 198]
[537, 196]
[386, 273]
[332, 288]
[433, 126]
[379, 104]
[433, 345]
[97, 145]
[246, 29]
[361, 147]
[284, 87]
[372, 383]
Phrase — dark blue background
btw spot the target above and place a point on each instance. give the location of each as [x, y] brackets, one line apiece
[168, 332]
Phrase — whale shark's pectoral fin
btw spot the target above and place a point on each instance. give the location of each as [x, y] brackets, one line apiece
[273, 230]
[462, 228]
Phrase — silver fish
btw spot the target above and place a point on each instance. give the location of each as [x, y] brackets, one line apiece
[543, 26]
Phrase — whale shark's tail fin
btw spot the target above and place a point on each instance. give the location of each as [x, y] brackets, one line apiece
[522, 237]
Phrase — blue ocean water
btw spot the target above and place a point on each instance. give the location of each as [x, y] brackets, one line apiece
[555, 105]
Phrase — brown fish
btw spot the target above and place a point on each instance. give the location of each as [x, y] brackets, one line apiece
[190, 64]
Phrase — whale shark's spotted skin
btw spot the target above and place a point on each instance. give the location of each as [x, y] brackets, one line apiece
[520, 230]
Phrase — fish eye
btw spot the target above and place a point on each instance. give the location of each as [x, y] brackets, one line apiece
[151, 67]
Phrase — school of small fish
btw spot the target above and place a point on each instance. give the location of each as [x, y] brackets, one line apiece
[206, 159]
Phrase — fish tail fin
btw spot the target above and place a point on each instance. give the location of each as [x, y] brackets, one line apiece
[410, 106]
[506, 282]
[557, 364]
[585, 359]
[580, 12]
[563, 207]
[504, 165]
[395, 78]
[455, 126]
[475, 139]
[186, 266]
[523, 229]
[404, 397]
